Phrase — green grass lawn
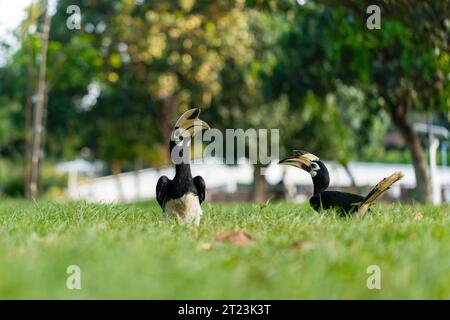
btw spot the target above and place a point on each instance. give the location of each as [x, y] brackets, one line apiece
[131, 251]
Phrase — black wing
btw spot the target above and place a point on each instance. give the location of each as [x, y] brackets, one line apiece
[201, 188]
[161, 190]
[341, 201]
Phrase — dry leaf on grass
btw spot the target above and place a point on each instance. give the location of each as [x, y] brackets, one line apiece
[301, 246]
[418, 216]
[238, 237]
[204, 246]
[297, 246]
[47, 239]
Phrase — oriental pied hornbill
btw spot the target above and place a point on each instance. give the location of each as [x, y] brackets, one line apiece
[182, 196]
[343, 202]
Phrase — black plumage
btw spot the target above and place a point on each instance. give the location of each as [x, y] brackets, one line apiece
[342, 202]
[182, 184]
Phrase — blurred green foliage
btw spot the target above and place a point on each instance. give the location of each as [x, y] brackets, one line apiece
[313, 70]
[12, 183]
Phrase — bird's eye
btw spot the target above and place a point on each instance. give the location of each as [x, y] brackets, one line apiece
[315, 166]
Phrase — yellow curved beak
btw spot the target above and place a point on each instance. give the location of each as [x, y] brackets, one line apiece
[301, 159]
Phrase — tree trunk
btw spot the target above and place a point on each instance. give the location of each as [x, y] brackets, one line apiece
[39, 110]
[399, 116]
[259, 184]
[351, 177]
[166, 118]
[28, 122]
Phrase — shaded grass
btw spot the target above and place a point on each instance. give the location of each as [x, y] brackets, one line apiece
[131, 251]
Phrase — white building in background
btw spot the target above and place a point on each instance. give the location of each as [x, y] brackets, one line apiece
[80, 166]
[140, 185]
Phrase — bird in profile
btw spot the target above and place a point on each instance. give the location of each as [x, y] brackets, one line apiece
[182, 196]
[343, 202]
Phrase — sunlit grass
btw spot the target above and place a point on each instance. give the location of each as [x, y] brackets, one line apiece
[131, 251]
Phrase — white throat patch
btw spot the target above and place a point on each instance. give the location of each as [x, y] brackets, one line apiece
[314, 169]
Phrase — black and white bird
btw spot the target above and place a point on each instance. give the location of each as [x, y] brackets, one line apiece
[182, 196]
[343, 202]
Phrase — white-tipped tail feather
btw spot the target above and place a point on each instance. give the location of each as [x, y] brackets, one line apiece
[377, 191]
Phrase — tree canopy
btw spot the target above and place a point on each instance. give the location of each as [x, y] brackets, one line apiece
[311, 68]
